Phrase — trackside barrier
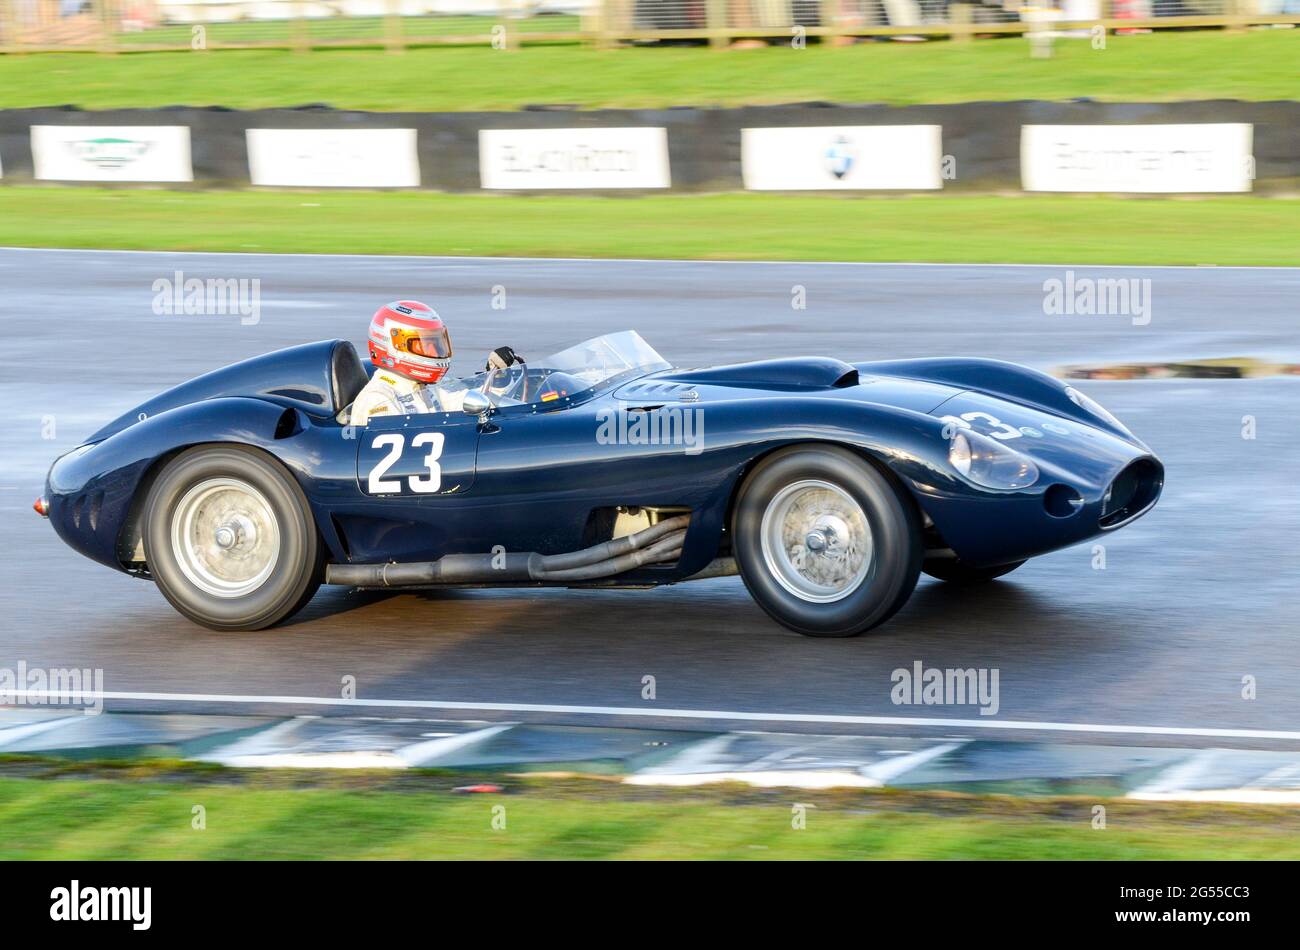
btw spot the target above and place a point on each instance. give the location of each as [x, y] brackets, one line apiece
[1184, 147]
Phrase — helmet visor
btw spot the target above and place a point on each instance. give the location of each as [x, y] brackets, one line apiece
[431, 344]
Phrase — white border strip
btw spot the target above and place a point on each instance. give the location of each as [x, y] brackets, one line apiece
[652, 713]
[498, 259]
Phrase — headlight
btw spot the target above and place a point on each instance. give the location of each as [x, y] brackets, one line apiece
[1088, 404]
[989, 463]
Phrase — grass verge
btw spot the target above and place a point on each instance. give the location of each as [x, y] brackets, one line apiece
[1158, 67]
[1029, 229]
[142, 811]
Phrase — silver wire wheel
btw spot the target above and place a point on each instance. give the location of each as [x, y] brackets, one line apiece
[225, 538]
[230, 539]
[816, 541]
[827, 542]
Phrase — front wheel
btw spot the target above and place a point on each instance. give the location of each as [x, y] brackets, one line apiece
[826, 544]
[229, 539]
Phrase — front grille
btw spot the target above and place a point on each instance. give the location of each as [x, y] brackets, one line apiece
[1133, 491]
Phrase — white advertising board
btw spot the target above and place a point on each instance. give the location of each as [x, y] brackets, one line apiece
[589, 159]
[843, 157]
[152, 153]
[1208, 157]
[334, 158]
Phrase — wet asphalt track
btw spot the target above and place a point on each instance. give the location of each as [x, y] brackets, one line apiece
[1196, 595]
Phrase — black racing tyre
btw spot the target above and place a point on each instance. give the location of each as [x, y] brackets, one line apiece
[955, 572]
[826, 543]
[229, 538]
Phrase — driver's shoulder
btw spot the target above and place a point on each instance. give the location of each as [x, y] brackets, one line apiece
[383, 378]
[377, 394]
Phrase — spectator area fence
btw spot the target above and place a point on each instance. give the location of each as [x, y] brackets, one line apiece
[134, 25]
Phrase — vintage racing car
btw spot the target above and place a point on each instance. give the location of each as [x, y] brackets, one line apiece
[828, 486]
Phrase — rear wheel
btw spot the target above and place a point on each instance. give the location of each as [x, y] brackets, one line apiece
[229, 539]
[955, 572]
[826, 544]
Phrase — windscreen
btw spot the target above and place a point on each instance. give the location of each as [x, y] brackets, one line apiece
[602, 358]
[592, 363]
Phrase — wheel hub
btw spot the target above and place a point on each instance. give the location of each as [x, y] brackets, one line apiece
[225, 537]
[816, 541]
[239, 530]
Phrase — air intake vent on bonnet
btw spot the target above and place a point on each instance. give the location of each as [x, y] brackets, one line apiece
[654, 389]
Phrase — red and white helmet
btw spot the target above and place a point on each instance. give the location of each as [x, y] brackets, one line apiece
[409, 337]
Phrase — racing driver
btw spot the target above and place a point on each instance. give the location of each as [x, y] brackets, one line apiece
[410, 346]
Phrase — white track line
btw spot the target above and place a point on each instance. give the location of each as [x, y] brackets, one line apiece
[636, 260]
[649, 712]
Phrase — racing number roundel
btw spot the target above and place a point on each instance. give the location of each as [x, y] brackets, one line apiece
[377, 484]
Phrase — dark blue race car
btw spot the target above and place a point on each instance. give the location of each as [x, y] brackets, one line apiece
[827, 486]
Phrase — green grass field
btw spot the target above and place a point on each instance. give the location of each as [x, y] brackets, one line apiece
[149, 813]
[1027, 229]
[1167, 66]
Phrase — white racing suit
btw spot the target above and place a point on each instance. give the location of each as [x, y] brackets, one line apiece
[389, 394]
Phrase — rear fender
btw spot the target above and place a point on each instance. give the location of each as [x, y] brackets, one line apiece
[96, 492]
[297, 377]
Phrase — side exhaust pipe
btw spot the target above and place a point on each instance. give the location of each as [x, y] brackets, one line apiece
[656, 544]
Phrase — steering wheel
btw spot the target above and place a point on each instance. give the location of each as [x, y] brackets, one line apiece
[521, 384]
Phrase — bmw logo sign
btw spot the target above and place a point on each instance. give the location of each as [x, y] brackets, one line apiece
[840, 157]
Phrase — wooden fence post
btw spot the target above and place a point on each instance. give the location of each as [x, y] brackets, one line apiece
[299, 39]
[1236, 11]
[394, 41]
[8, 28]
[205, 39]
[107, 13]
[603, 25]
[715, 19]
[829, 11]
[961, 21]
[510, 36]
